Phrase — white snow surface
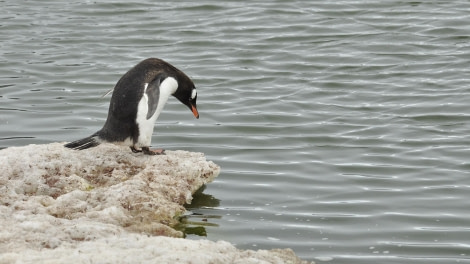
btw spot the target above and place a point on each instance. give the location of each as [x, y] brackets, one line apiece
[106, 205]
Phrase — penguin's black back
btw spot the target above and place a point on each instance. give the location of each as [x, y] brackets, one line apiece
[122, 113]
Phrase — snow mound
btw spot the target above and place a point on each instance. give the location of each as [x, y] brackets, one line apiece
[106, 205]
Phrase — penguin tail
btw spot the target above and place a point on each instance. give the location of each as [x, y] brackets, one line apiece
[84, 143]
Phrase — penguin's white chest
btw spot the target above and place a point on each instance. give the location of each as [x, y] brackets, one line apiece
[167, 88]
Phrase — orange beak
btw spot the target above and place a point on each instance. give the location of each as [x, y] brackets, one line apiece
[194, 110]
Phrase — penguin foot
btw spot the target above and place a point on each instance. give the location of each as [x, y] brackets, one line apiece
[148, 151]
[135, 150]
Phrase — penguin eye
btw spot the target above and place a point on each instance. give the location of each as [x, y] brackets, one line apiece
[193, 94]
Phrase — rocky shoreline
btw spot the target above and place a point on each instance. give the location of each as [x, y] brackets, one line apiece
[107, 205]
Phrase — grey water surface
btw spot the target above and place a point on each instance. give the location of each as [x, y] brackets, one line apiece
[342, 127]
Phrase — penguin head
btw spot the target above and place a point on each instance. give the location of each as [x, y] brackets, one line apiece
[185, 90]
[186, 93]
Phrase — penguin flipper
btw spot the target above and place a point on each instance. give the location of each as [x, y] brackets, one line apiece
[153, 94]
[83, 143]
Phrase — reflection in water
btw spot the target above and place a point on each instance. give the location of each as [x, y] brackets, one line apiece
[195, 221]
[201, 200]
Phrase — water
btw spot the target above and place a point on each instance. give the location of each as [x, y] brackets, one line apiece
[342, 128]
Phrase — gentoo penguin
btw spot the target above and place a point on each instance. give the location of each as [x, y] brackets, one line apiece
[137, 101]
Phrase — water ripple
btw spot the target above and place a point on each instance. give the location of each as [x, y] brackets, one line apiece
[344, 124]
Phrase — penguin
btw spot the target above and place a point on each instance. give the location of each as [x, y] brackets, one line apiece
[137, 101]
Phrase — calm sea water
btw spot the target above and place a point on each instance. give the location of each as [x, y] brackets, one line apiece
[342, 127]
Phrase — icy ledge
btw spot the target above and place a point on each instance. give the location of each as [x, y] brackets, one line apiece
[106, 205]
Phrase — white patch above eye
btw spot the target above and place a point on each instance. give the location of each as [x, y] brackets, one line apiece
[193, 94]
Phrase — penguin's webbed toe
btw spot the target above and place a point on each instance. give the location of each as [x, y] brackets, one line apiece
[148, 151]
[135, 150]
